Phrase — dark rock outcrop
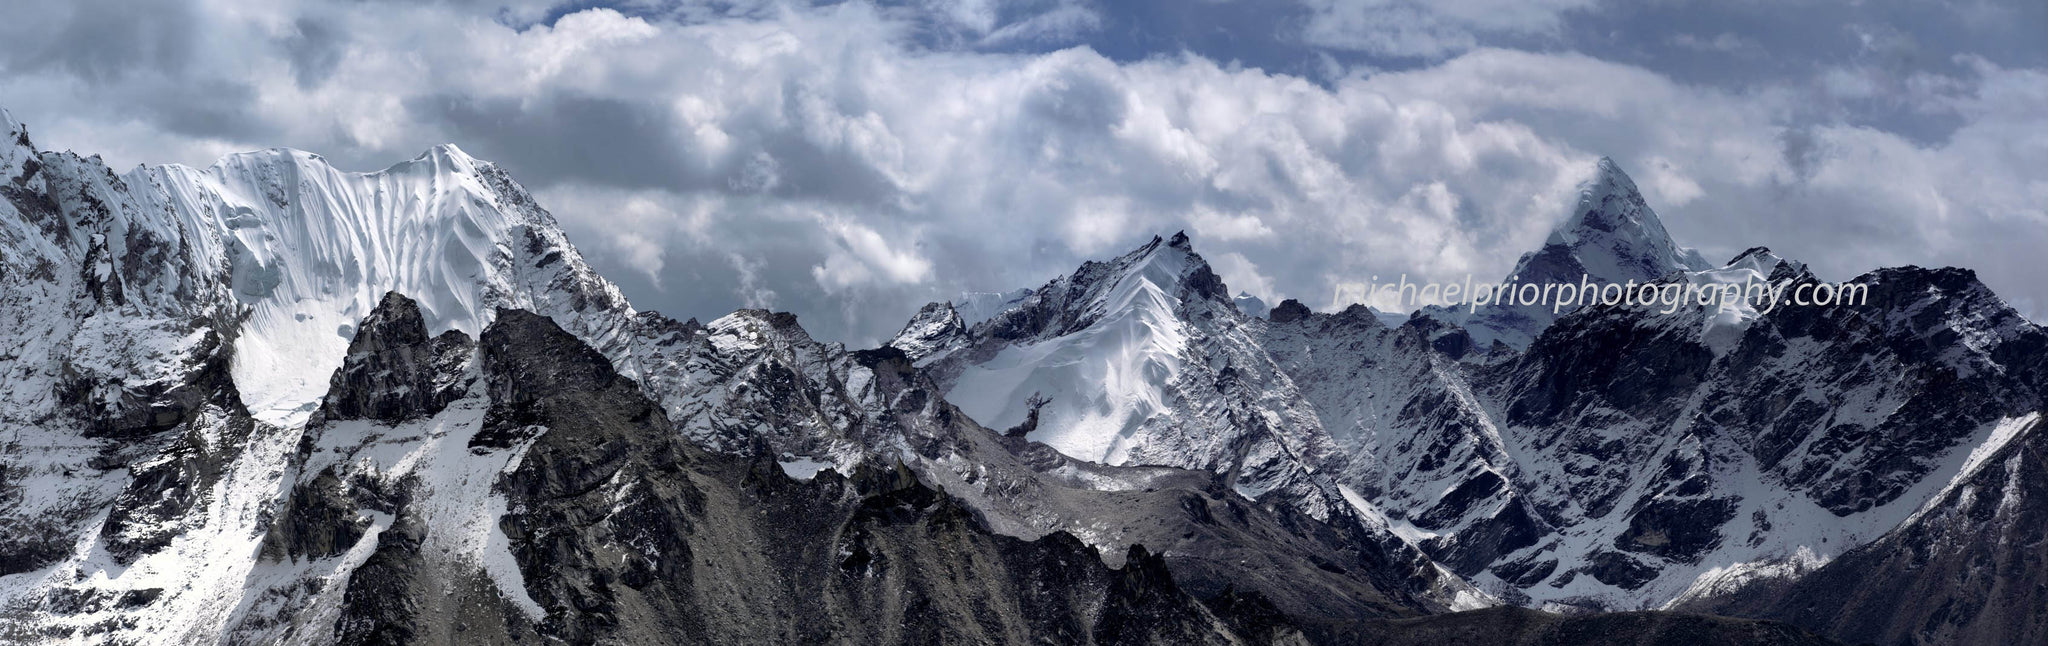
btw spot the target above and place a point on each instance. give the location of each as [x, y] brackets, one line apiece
[1524, 627]
[1289, 311]
[318, 520]
[393, 372]
[1933, 346]
[173, 469]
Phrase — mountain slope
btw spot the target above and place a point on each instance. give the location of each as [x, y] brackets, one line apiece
[1817, 431]
[519, 454]
[1144, 360]
[1630, 456]
[550, 500]
[1965, 569]
[142, 310]
[1419, 445]
[1627, 455]
[141, 358]
[1141, 360]
[757, 384]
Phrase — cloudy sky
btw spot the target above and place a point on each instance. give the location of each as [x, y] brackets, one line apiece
[850, 161]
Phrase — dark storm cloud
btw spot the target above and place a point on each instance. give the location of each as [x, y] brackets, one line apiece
[1802, 152]
[1871, 63]
[144, 60]
[561, 138]
[204, 108]
[315, 47]
[635, 144]
[102, 41]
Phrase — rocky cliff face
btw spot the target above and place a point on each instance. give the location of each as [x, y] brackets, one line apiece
[627, 532]
[758, 385]
[1813, 431]
[393, 372]
[121, 420]
[1963, 570]
[1420, 445]
[554, 501]
[592, 521]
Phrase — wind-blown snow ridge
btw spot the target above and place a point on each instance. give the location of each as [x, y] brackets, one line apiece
[2001, 435]
[975, 307]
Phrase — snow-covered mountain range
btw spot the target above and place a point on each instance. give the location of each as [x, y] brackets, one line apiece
[1613, 457]
[269, 401]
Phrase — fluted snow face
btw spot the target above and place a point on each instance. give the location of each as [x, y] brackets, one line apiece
[123, 296]
[122, 283]
[309, 250]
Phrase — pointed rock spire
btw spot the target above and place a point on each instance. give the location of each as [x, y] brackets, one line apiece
[1611, 236]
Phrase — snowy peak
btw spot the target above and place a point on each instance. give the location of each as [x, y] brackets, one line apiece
[1164, 276]
[295, 229]
[1163, 281]
[1090, 356]
[1612, 235]
[1250, 305]
[1141, 360]
[447, 154]
[935, 328]
[1176, 269]
[751, 330]
[285, 254]
[1762, 260]
[312, 249]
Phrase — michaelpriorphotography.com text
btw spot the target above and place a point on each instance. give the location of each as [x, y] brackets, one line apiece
[1762, 295]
